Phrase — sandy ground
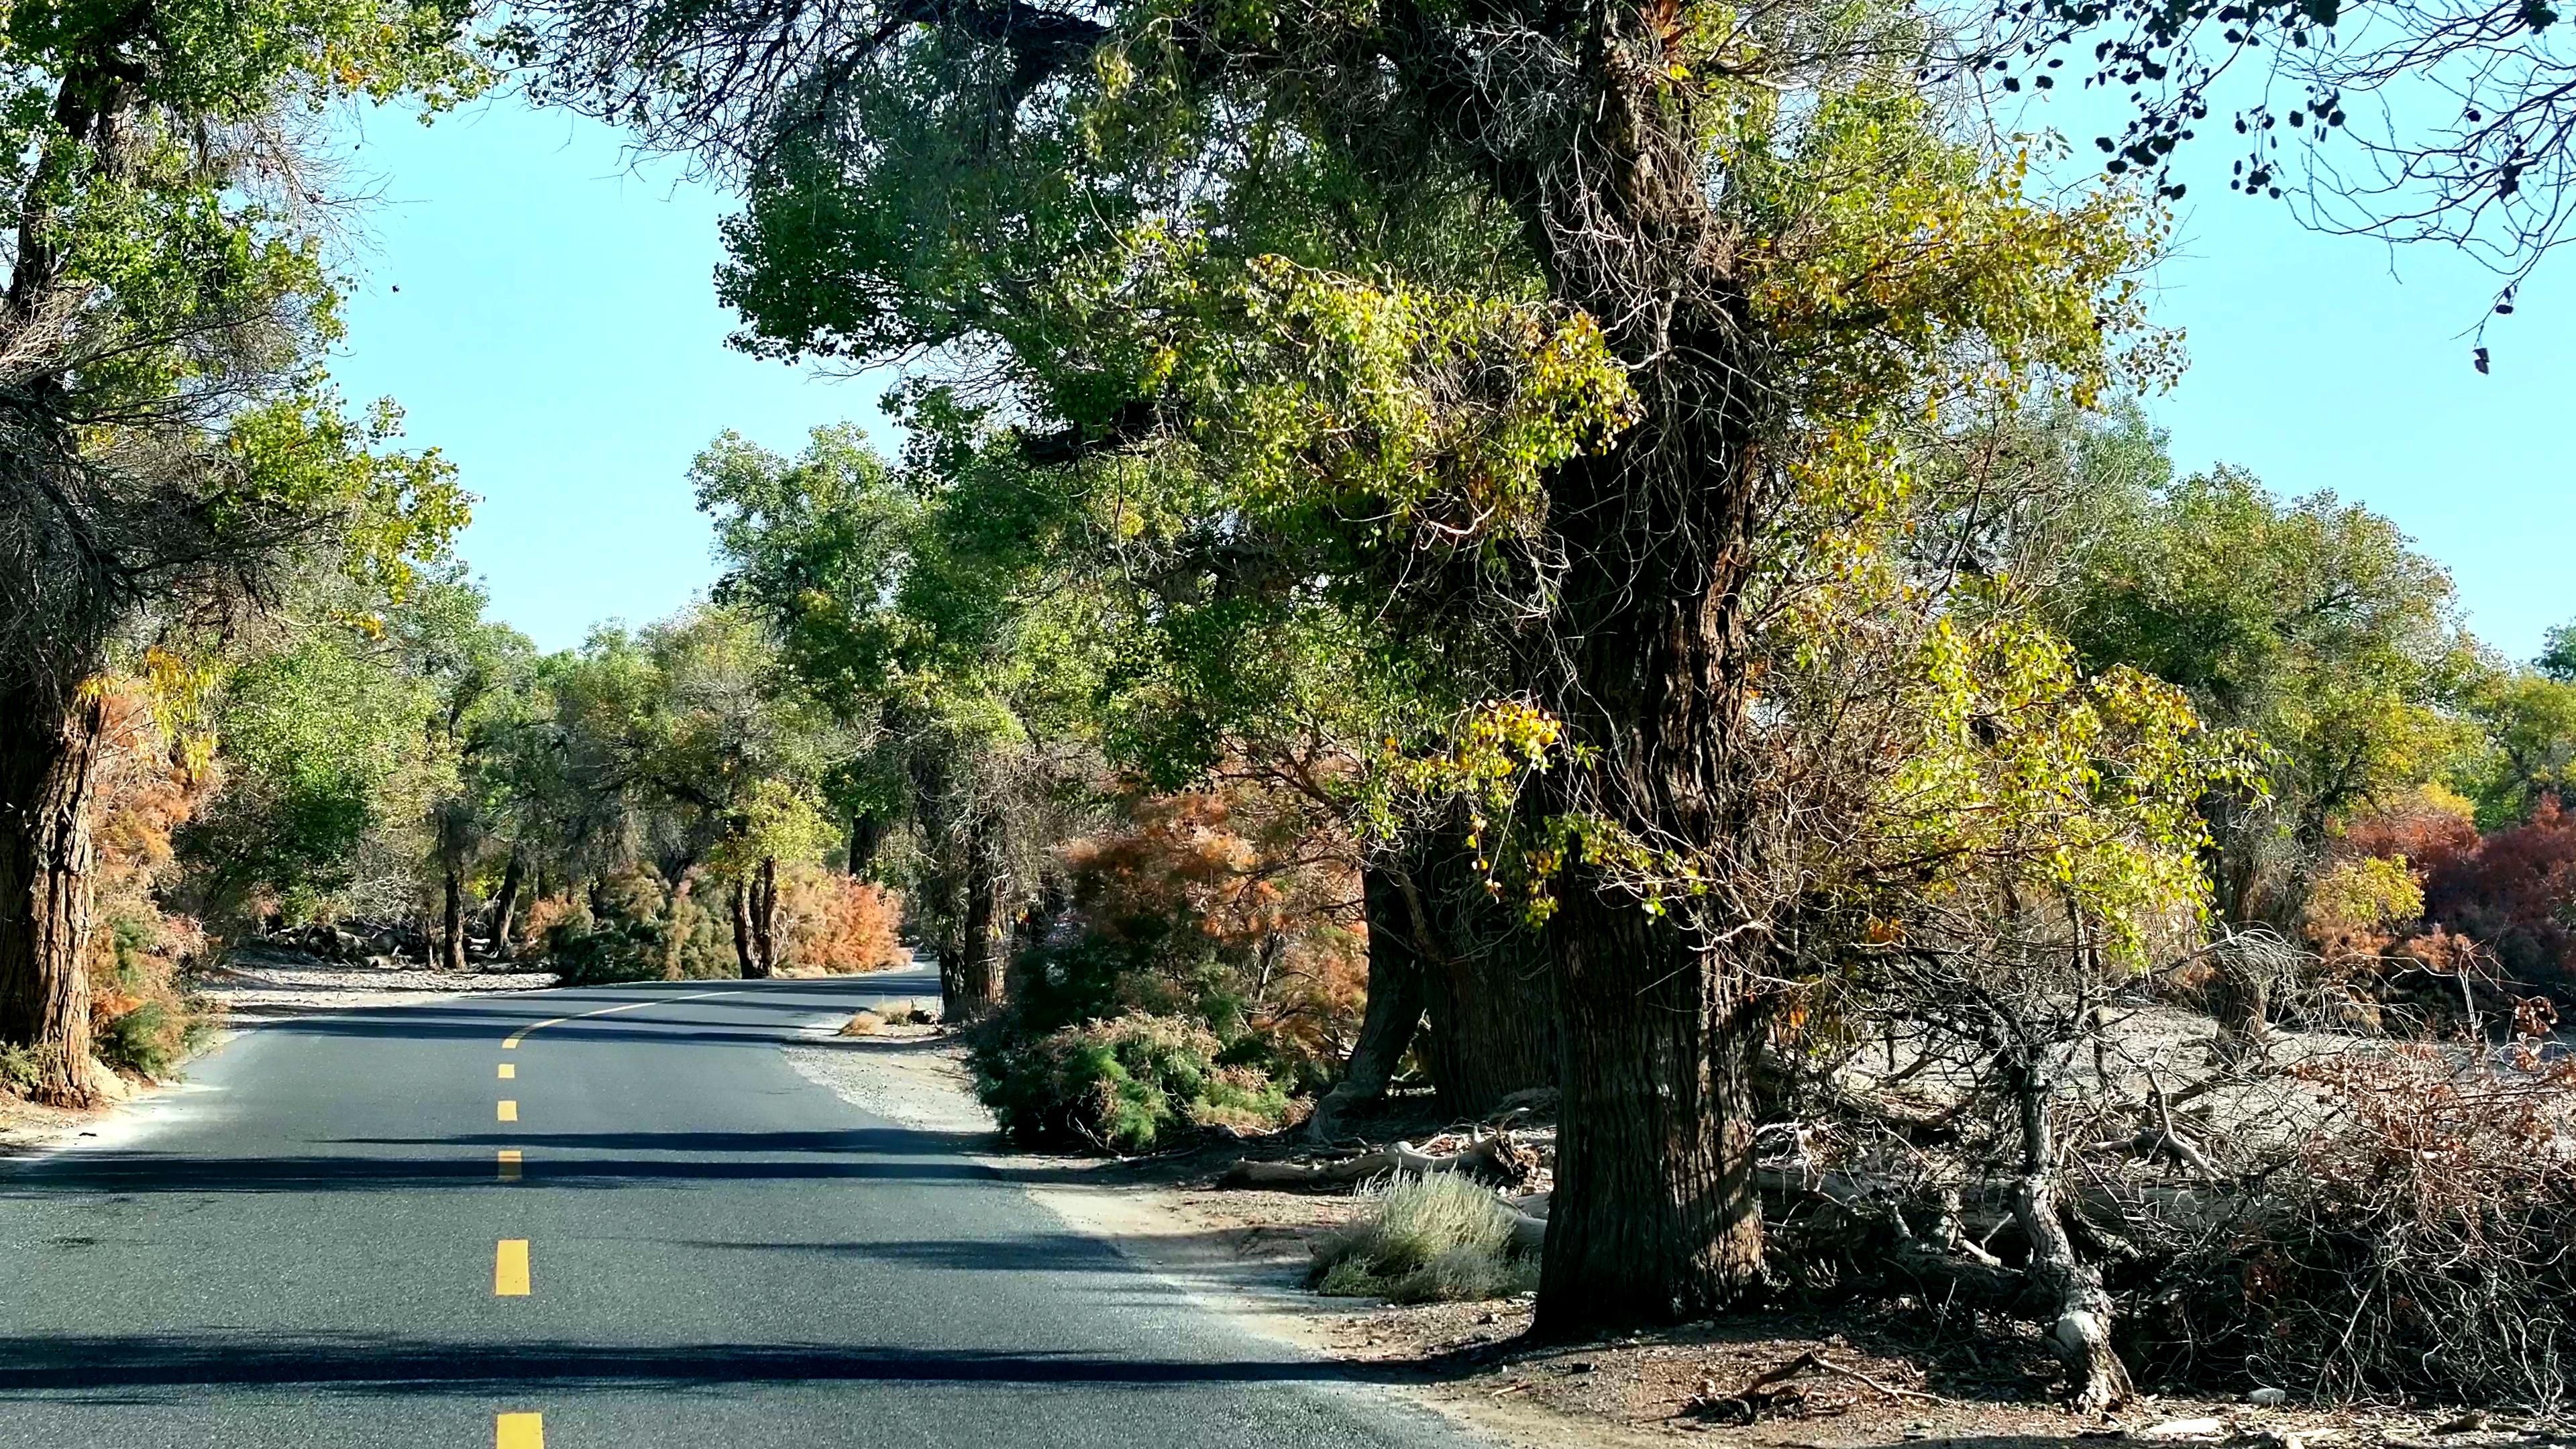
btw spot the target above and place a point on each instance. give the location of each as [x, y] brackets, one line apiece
[1873, 1378]
[257, 984]
[906, 1074]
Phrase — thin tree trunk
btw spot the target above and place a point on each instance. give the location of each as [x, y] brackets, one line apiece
[764, 915]
[2060, 1279]
[505, 906]
[867, 834]
[451, 940]
[678, 922]
[746, 960]
[1394, 1011]
[46, 855]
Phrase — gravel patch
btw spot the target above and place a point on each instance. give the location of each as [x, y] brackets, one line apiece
[906, 1075]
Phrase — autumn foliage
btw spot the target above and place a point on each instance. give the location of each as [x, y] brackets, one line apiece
[1237, 877]
[1203, 959]
[2515, 891]
[147, 783]
[835, 925]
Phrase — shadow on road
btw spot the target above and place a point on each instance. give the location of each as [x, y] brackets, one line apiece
[121, 1365]
[557, 1160]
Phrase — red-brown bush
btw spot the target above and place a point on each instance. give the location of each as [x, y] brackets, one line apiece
[835, 924]
[2515, 893]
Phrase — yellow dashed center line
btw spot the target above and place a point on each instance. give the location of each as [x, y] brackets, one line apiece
[510, 1258]
[511, 1042]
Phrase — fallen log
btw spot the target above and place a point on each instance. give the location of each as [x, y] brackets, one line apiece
[1491, 1159]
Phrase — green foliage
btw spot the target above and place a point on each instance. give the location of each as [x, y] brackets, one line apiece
[2368, 893]
[149, 1039]
[582, 952]
[322, 741]
[1435, 1238]
[2527, 751]
[2313, 627]
[1121, 1085]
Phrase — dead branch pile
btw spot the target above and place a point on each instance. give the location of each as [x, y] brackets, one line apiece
[2338, 1216]
[2425, 1245]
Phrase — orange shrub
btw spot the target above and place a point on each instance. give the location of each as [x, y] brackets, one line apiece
[834, 924]
[1269, 884]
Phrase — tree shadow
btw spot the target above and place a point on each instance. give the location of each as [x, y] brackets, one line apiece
[556, 1160]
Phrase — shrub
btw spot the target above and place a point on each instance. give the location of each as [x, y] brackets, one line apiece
[2511, 893]
[2420, 1247]
[584, 952]
[1118, 1085]
[1440, 1237]
[21, 1068]
[836, 925]
[149, 1038]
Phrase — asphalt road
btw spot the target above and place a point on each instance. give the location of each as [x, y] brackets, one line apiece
[312, 1246]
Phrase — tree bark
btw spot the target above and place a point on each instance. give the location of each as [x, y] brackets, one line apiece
[1394, 1011]
[676, 917]
[2063, 1283]
[451, 937]
[972, 988]
[1646, 658]
[867, 834]
[505, 906]
[1484, 983]
[764, 916]
[46, 887]
[1657, 1215]
[746, 960]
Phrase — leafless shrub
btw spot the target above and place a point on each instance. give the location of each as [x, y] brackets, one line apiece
[2423, 1243]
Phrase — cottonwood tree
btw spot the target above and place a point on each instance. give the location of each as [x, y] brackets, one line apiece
[923, 606]
[2312, 625]
[1603, 315]
[690, 746]
[163, 433]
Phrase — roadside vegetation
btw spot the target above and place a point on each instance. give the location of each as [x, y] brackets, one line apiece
[1603, 574]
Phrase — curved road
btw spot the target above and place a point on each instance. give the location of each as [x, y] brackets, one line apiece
[325, 1243]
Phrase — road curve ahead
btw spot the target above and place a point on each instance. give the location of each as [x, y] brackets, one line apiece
[595, 1219]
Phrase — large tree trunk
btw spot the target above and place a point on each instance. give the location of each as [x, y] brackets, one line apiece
[1394, 1011]
[1484, 982]
[1647, 660]
[505, 906]
[973, 987]
[46, 852]
[451, 936]
[1656, 1214]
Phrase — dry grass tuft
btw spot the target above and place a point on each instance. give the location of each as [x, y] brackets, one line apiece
[1437, 1238]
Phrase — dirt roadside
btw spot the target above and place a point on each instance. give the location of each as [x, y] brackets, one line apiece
[1837, 1380]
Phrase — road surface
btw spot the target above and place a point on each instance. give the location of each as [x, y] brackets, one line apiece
[593, 1218]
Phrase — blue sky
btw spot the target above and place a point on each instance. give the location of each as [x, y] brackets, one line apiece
[545, 312]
